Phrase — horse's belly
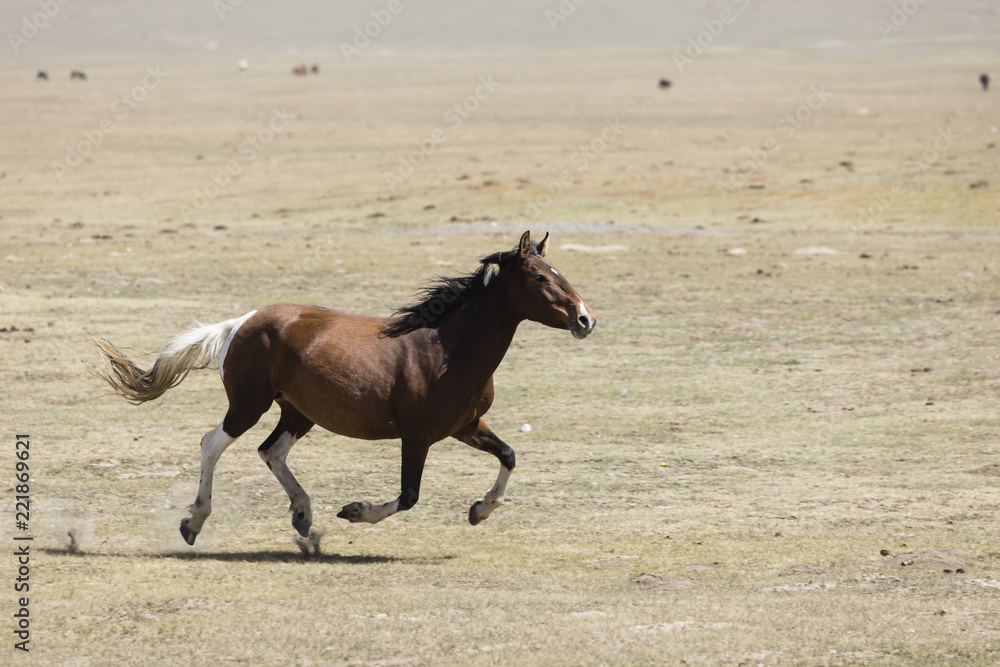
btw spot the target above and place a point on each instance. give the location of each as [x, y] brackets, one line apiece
[355, 417]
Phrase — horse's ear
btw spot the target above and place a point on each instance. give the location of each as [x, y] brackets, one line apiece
[490, 273]
[543, 245]
[525, 244]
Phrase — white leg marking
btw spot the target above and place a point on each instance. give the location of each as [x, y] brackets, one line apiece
[375, 513]
[275, 456]
[212, 445]
[499, 490]
[494, 497]
[365, 511]
[232, 333]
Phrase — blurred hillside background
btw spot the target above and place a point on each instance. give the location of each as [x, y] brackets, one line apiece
[247, 27]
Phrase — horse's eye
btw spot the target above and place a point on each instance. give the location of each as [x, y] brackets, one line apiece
[541, 279]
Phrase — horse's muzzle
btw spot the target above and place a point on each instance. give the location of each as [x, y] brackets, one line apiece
[582, 325]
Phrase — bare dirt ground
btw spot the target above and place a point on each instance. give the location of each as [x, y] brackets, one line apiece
[779, 447]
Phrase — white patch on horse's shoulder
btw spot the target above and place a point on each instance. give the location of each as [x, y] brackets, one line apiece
[491, 271]
[232, 332]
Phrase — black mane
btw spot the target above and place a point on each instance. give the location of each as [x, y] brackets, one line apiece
[444, 295]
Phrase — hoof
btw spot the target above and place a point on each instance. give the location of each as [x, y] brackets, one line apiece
[354, 512]
[301, 526]
[475, 513]
[188, 535]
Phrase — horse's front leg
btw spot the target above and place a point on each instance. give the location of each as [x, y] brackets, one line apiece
[414, 455]
[478, 435]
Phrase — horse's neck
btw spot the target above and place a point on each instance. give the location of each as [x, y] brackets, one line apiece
[478, 334]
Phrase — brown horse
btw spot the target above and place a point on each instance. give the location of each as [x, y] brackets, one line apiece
[422, 375]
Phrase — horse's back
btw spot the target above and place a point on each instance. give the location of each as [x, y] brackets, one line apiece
[334, 367]
[301, 324]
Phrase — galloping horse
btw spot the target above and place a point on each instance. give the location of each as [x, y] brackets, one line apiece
[421, 375]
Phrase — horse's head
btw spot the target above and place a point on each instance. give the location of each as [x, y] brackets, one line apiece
[542, 294]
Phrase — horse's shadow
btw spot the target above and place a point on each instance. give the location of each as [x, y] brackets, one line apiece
[277, 557]
[257, 557]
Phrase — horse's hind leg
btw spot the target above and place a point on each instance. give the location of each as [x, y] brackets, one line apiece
[479, 435]
[291, 427]
[213, 444]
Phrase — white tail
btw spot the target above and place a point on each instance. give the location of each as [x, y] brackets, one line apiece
[200, 347]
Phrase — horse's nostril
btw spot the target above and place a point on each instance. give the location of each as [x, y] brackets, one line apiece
[584, 321]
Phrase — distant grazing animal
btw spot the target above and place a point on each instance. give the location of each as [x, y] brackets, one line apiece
[42, 75]
[76, 74]
[665, 83]
[984, 79]
[300, 70]
[421, 375]
[243, 65]
[314, 69]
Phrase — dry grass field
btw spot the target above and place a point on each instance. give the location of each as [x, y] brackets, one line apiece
[795, 265]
